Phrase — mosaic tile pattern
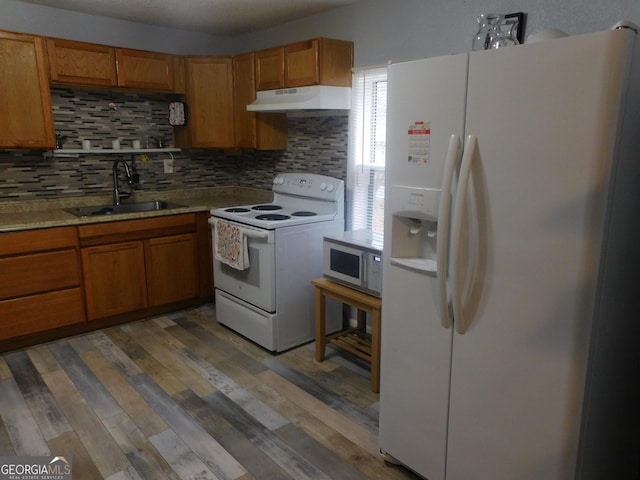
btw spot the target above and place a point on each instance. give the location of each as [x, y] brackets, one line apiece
[316, 145]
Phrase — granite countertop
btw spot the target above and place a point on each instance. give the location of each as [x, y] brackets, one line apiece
[32, 214]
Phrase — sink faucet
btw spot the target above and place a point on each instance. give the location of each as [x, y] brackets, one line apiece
[117, 194]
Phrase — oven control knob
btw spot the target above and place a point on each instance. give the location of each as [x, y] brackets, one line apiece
[323, 186]
[278, 181]
[330, 187]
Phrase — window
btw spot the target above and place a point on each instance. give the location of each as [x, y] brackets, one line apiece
[367, 142]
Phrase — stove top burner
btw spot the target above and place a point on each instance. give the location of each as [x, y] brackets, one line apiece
[303, 213]
[267, 207]
[272, 216]
[236, 210]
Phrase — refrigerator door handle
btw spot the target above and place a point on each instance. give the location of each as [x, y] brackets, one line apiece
[457, 287]
[442, 244]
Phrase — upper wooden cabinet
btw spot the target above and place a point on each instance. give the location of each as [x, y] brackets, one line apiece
[26, 120]
[79, 63]
[145, 70]
[92, 65]
[269, 68]
[321, 61]
[262, 131]
[179, 84]
[209, 86]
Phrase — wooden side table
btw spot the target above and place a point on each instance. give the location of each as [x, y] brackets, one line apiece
[354, 340]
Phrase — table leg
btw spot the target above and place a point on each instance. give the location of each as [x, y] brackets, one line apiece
[321, 330]
[362, 320]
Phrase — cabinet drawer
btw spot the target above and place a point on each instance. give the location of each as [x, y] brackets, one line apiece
[127, 230]
[37, 313]
[37, 273]
[14, 243]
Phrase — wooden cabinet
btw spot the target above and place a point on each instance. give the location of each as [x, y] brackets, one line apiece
[92, 65]
[171, 269]
[26, 120]
[135, 264]
[53, 280]
[209, 93]
[114, 279]
[145, 70]
[79, 63]
[270, 69]
[302, 65]
[321, 61]
[179, 84]
[39, 281]
[263, 131]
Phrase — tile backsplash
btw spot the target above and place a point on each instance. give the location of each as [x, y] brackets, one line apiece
[317, 144]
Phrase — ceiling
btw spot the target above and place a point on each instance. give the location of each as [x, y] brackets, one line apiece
[217, 17]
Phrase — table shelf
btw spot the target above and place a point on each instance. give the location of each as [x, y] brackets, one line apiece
[354, 341]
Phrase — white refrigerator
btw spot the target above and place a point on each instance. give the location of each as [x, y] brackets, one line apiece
[510, 306]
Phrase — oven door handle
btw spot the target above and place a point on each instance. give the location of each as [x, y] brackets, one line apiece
[254, 233]
[245, 231]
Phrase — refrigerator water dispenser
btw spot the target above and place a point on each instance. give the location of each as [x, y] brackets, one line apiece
[414, 227]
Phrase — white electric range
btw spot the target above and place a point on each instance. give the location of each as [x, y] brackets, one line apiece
[271, 300]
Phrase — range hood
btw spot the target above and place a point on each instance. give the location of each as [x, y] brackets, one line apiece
[315, 97]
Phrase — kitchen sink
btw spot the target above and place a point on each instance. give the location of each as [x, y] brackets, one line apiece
[137, 207]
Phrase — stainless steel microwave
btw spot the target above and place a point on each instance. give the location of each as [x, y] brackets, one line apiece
[354, 259]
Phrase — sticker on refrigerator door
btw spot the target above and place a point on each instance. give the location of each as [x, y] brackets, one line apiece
[419, 134]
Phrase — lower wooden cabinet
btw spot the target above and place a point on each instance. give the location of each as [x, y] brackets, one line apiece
[41, 312]
[156, 265]
[68, 280]
[172, 272]
[114, 279]
[39, 281]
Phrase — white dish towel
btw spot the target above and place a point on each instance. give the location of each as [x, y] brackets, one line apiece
[230, 245]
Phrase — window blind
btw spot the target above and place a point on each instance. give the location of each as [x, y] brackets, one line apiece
[367, 143]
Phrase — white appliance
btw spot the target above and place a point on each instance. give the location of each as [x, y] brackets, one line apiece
[314, 97]
[510, 301]
[272, 300]
[354, 258]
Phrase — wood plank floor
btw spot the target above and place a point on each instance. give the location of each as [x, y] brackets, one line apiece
[180, 397]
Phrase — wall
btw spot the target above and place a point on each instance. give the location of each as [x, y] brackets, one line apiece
[316, 144]
[382, 30]
[53, 22]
